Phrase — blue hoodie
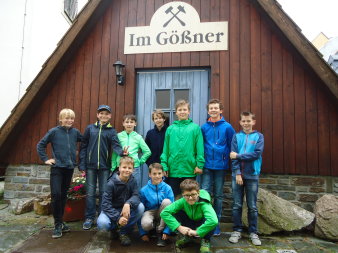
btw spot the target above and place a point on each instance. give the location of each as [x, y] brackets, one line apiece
[249, 148]
[152, 196]
[217, 138]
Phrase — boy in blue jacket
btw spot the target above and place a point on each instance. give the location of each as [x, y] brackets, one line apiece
[64, 140]
[217, 136]
[121, 206]
[155, 196]
[246, 154]
[98, 141]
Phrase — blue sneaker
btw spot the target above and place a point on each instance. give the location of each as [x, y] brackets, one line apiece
[88, 224]
[217, 231]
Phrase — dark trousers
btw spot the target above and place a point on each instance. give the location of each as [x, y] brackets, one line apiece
[60, 179]
[183, 218]
[175, 182]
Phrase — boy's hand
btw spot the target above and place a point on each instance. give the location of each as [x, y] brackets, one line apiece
[125, 211]
[125, 150]
[50, 161]
[165, 237]
[198, 171]
[233, 155]
[145, 238]
[183, 230]
[123, 221]
[239, 179]
[192, 232]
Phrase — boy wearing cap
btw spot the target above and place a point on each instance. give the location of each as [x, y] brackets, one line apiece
[98, 141]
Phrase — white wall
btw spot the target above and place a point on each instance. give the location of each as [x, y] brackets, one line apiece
[38, 29]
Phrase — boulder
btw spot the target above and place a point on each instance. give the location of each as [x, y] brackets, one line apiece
[276, 214]
[22, 206]
[326, 211]
[42, 205]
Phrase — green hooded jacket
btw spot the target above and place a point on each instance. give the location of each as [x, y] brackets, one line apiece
[183, 149]
[202, 209]
[135, 143]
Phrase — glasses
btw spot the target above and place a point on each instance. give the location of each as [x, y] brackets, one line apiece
[188, 196]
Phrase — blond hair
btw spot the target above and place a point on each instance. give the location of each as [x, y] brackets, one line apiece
[127, 159]
[158, 112]
[66, 113]
[182, 102]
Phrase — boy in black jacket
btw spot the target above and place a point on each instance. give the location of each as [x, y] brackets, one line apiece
[121, 205]
[98, 140]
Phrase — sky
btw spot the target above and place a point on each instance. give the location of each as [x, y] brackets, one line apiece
[313, 16]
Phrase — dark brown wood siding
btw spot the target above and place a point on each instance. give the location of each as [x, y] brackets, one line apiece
[261, 72]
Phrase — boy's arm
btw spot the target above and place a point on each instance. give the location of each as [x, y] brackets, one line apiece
[107, 206]
[146, 153]
[199, 144]
[83, 149]
[210, 222]
[230, 132]
[235, 163]
[42, 145]
[168, 214]
[116, 145]
[165, 152]
[134, 200]
[251, 156]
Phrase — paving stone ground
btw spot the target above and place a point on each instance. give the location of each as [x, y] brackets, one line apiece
[32, 233]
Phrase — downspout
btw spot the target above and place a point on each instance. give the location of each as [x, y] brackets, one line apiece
[22, 49]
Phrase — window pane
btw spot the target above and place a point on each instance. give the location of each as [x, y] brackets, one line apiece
[181, 94]
[162, 99]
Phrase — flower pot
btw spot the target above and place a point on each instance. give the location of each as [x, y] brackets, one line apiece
[75, 209]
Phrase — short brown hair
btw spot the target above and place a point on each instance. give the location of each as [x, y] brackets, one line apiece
[155, 166]
[248, 113]
[126, 159]
[66, 113]
[215, 101]
[189, 185]
[158, 112]
[130, 117]
[182, 102]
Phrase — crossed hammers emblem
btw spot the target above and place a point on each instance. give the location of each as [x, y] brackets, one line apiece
[169, 10]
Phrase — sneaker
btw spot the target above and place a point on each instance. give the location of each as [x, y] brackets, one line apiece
[183, 241]
[217, 231]
[124, 240]
[88, 224]
[235, 236]
[65, 228]
[57, 233]
[114, 234]
[160, 241]
[255, 239]
[205, 246]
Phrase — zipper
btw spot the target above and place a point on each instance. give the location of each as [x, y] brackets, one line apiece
[98, 148]
[246, 141]
[158, 203]
[70, 159]
[213, 149]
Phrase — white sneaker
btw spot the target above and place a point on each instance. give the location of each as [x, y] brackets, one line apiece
[235, 236]
[255, 239]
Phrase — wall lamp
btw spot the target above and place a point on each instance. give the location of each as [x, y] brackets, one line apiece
[119, 69]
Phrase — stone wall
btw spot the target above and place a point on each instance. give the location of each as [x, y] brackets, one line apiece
[25, 181]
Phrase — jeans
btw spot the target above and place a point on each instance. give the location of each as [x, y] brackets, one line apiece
[60, 179]
[106, 224]
[213, 182]
[250, 187]
[92, 176]
[137, 175]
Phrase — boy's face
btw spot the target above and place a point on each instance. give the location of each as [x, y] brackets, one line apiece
[156, 176]
[126, 169]
[247, 123]
[129, 125]
[191, 196]
[103, 116]
[183, 112]
[214, 111]
[158, 120]
[67, 121]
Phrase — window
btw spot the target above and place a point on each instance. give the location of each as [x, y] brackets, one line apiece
[70, 8]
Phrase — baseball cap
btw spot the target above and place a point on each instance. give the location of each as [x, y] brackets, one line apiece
[104, 107]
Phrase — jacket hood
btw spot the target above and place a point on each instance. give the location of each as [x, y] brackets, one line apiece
[221, 121]
[182, 122]
[253, 131]
[160, 185]
[204, 196]
[162, 129]
[107, 125]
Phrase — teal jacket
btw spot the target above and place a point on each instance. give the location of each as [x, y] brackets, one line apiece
[135, 143]
[183, 149]
[202, 209]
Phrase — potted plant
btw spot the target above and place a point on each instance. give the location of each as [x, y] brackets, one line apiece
[76, 199]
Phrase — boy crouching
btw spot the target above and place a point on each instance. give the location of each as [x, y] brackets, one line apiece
[155, 196]
[195, 215]
[121, 206]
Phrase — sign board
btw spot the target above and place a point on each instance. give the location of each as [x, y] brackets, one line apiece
[176, 27]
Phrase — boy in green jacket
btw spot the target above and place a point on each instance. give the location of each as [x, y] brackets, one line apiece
[183, 150]
[133, 143]
[195, 214]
